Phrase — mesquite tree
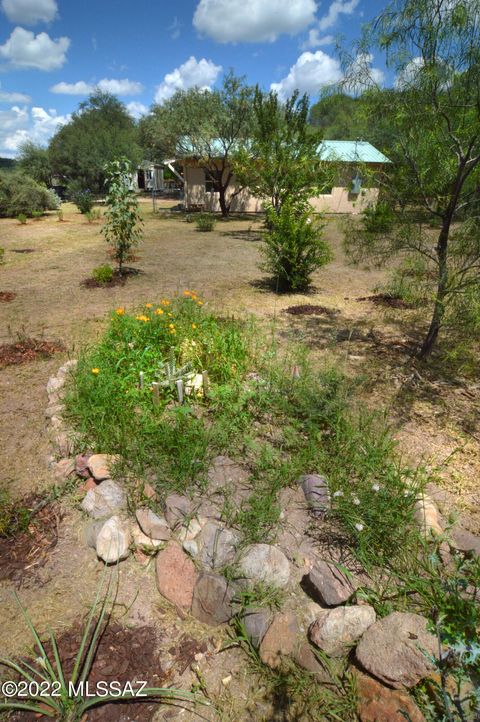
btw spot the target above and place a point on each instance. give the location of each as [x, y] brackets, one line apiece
[122, 227]
[433, 47]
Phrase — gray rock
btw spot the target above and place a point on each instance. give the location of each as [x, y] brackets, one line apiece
[306, 658]
[212, 599]
[464, 541]
[177, 507]
[99, 465]
[63, 469]
[217, 545]
[265, 563]
[63, 444]
[336, 630]
[53, 410]
[152, 525]
[395, 649]
[191, 547]
[107, 498]
[54, 384]
[315, 488]
[142, 541]
[113, 540]
[256, 623]
[67, 367]
[91, 531]
[330, 585]
[189, 531]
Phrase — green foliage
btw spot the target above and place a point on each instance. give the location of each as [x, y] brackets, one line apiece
[93, 215]
[122, 228]
[36, 215]
[81, 196]
[103, 274]
[60, 215]
[378, 218]
[14, 517]
[34, 161]
[294, 247]
[22, 218]
[2, 256]
[20, 194]
[99, 131]
[205, 222]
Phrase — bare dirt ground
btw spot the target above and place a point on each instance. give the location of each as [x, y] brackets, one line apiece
[436, 421]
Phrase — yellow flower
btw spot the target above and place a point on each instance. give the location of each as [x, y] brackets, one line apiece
[169, 315]
[158, 311]
[172, 331]
[170, 325]
[119, 311]
[187, 293]
[165, 302]
[142, 318]
[95, 371]
[194, 325]
[148, 305]
[199, 303]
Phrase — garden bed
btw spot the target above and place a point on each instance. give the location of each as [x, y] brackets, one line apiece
[26, 350]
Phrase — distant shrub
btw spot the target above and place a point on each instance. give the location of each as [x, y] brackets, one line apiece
[205, 222]
[189, 218]
[378, 218]
[21, 195]
[22, 218]
[81, 196]
[36, 215]
[53, 199]
[60, 215]
[2, 256]
[93, 215]
[103, 274]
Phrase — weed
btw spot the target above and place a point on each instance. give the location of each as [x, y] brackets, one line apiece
[103, 274]
[22, 219]
[93, 215]
[14, 517]
[205, 222]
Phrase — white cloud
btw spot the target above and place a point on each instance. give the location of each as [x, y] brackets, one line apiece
[408, 75]
[137, 109]
[316, 40]
[108, 85]
[230, 21]
[175, 28]
[8, 97]
[23, 49]
[311, 72]
[337, 8]
[193, 73]
[367, 75]
[29, 12]
[18, 125]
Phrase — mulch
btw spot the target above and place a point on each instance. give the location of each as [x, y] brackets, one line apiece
[25, 551]
[125, 655]
[23, 250]
[6, 296]
[26, 350]
[385, 299]
[309, 309]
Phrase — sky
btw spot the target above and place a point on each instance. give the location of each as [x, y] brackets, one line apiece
[54, 52]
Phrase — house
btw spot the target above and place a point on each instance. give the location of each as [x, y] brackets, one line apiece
[148, 177]
[355, 160]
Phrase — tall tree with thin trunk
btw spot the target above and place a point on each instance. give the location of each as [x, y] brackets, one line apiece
[433, 49]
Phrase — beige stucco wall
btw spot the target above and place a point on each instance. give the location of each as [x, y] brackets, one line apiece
[338, 201]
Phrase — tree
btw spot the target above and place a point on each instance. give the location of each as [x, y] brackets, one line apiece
[207, 126]
[433, 47]
[34, 160]
[122, 217]
[280, 159]
[100, 131]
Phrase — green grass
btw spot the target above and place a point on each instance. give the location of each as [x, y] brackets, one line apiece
[14, 517]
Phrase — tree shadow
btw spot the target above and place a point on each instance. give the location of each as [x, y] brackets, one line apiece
[248, 235]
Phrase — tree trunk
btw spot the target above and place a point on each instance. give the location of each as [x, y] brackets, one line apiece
[224, 206]
[439, 306]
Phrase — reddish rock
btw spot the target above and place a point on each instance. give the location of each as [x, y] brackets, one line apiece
[177, 507]
[377, 703]
[280, 639]
[99, 465]
[81, 465]
[328, 584]
[212, 599]
[176, 576]
[89, 484]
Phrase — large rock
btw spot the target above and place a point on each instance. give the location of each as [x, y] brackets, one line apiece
[256, 623]
[176, 576]
[328, 584]
[315, 488]
[177, 508]
[217, 545]
[54, 384]
[104, 500]
[377, 703]
[335, 630]
[189, 531]
[395, 649]
[280, 640]
[113, 540]
[427, 516]
[152, 525]
[464, 541]
[99, 465]
[212, 599]
[265, 563]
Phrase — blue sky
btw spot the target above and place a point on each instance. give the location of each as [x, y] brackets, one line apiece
[53, 52]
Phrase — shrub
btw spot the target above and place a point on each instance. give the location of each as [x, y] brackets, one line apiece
[2, 256]
[294, 247]
[189, 218]
[82, 198]
[378, 218]
[103, 274]
[20, 194]
[22, 218]
[60, 215]
[123, 222]
[93, 215]
[205, 222]
[36, 215]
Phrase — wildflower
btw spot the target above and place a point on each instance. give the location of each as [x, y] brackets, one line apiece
[119, 311]
[159, 311]
[187, 293]
[172, 331]
[199, 303]
[376, 487]
[95, 371]
[171, 325]
[194, 326]
[142, 318]
[148, 305]
[170, 315]
[356, 500]
[359, 527]
[165, 302]
[337, 493]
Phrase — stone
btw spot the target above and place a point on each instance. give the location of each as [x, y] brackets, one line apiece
[377, 703]
[63, 469]
[265, 563]
[177, 507]
[53, 410]
[63, 444]
[152, 525]
[54, 384]
[67, 367]
[91, 531]
[176, 576]
[90, 483]
[280, 639]
[336, 630]
[256, 623]
[189, 531]
[395, 649]
[113, 540]
[464, 541]
[315, 488]
[217, 545]
[99, 465]
[329, 584]
[306, 658]
[146, 489]
[191, 547]
[104, 500]
[143, 541]
[212, 599]
[81, 465]
[427, 516]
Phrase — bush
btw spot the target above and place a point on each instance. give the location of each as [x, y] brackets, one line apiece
[36, 215]
[93, 215]
[294, 247]
[22, 218]
[103, 274]
[378, 218]
[205, 222]
[21, 195]
[82, 198]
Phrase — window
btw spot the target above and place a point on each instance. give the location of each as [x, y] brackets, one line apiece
[211, 186]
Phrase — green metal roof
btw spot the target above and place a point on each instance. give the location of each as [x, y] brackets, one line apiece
[350, 151]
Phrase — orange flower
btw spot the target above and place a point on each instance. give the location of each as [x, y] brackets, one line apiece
[148, 305]
[165, 302]
[158, 311]
[119, 311]
[194, 326]
[95, 371]
[187, 293]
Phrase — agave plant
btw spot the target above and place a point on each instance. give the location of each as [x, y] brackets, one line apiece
[70, 703]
